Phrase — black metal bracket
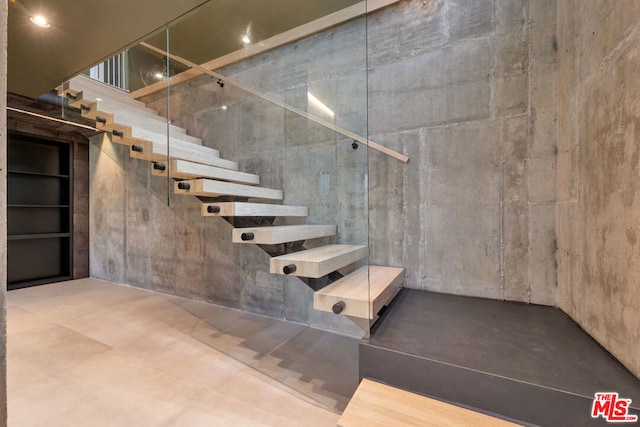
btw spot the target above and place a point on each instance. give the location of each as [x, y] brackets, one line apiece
[247, 236]
[338, 307]
[288, 269]
[137, 148]
[213, 209]
[184, 185]
[354, 144]
[159, 166]
[220, 82]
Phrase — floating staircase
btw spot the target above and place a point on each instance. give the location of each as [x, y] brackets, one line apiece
[200, 171]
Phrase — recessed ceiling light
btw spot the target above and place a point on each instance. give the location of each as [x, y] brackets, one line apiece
[246, 39]
[159, 76]
[40, 21]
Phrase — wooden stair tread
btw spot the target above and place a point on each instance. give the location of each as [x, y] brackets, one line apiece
[283, 233]
[86, 83]
[253, 209]
[140, 132]
[364, 292]
[156, 151]
[379, 405]
[185, 169]
[320, 261]
[213, 188]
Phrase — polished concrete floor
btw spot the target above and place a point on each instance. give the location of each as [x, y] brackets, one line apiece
[88, 352]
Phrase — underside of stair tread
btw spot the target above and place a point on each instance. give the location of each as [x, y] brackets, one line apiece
[185, 169]
[363, 292]
[231, 209]
[318, 262]
[213, 188]
[282, 234]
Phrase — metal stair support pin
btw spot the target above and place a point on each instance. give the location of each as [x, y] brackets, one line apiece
[338, 307]
[184, 185]
[213, 209]
[71, 95]
[101, 119]
[117, 132]
[288, 269]
[159, 166]
[247, 236]
[137, 148]
[85, 107]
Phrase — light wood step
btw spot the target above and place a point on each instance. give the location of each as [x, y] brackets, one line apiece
[157, 152]
[282, 234]
[362, 293]
[252, 209]
[212, 188]
[137, 124]
[184, 169]
[139, 132]
[318, 262]
[82, 83]
[105, 115]
[379, 405]
[177, 142]
[107, 105]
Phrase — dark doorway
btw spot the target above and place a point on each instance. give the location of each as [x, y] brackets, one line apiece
[39, 195]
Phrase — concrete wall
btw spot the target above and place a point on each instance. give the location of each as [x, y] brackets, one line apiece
[3, 212]
[598, 167]
[80, 210]
[467, 90]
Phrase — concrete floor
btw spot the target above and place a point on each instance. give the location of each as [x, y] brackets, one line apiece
[88, 352]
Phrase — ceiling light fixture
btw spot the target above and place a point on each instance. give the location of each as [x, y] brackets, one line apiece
[40, 21]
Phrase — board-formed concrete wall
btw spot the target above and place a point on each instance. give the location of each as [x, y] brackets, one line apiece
[465, 88]
[598, 168]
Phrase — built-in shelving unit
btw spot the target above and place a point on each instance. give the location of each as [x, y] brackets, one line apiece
[39, 211]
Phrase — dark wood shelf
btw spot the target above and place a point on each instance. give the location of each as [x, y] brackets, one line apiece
[36, 206]
[49, 175]
[37, 236]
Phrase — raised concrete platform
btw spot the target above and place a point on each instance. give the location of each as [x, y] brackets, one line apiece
[522, 362]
